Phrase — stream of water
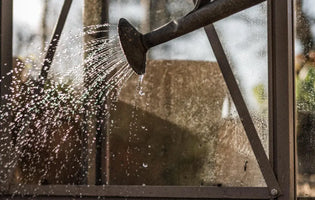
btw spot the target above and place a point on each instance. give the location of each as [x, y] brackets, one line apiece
[59, 135]
[41, 123]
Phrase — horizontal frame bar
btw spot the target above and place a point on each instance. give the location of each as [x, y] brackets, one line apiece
[143, 191]
[90, 198]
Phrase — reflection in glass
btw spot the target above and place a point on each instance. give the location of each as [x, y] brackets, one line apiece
[177, 126]
[171, 130]
[244, 39]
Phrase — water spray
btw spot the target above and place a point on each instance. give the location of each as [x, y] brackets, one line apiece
[135, 44]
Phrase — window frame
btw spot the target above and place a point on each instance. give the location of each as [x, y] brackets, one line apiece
[281, 124]
[6, 29]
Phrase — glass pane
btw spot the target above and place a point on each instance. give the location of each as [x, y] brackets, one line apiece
[305, 74]
[170, 130]
[244, 39]
[46, 145]
[175, 126]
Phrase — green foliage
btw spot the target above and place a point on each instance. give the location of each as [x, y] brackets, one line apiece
[260, 93]
[305, 89]
[261, 96]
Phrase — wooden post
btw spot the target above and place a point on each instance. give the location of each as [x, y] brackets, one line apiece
[44, 25]
[156, 14]
[145, 24]
[96, 12]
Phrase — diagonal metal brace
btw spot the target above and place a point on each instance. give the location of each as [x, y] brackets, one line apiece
[54, 43]
[243, 112]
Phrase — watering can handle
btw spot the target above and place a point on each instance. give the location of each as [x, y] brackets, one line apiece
[199, 4]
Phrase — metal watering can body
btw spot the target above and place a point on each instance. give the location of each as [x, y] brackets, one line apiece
[135, 45]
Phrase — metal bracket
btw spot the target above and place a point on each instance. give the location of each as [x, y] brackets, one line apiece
[251, 132]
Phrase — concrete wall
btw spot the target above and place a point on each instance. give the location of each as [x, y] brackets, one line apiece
[172, 133]
[179, 117]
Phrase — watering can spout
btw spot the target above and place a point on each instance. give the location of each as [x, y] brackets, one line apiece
[135, 44]
[132, 45]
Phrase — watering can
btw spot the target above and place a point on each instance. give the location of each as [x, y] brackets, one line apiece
[135, 45]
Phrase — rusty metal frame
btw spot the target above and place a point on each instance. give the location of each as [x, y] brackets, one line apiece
[282, 141]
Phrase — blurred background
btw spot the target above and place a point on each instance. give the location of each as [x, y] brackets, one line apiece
[244, 35]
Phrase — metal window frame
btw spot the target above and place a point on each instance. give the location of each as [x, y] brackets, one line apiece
[282, 94]
[281, 123]
[6, 14]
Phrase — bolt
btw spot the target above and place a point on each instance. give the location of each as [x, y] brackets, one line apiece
[274, 192]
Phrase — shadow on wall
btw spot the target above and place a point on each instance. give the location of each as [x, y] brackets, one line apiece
[184, 103]
[173, 133]
[146, 149]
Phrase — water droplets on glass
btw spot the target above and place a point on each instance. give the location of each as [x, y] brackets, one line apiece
[50, 126]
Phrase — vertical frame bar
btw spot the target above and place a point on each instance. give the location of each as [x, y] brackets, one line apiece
[281, 87]
[101, 154]
[6, 9]
[270, 84]
[6, 45]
